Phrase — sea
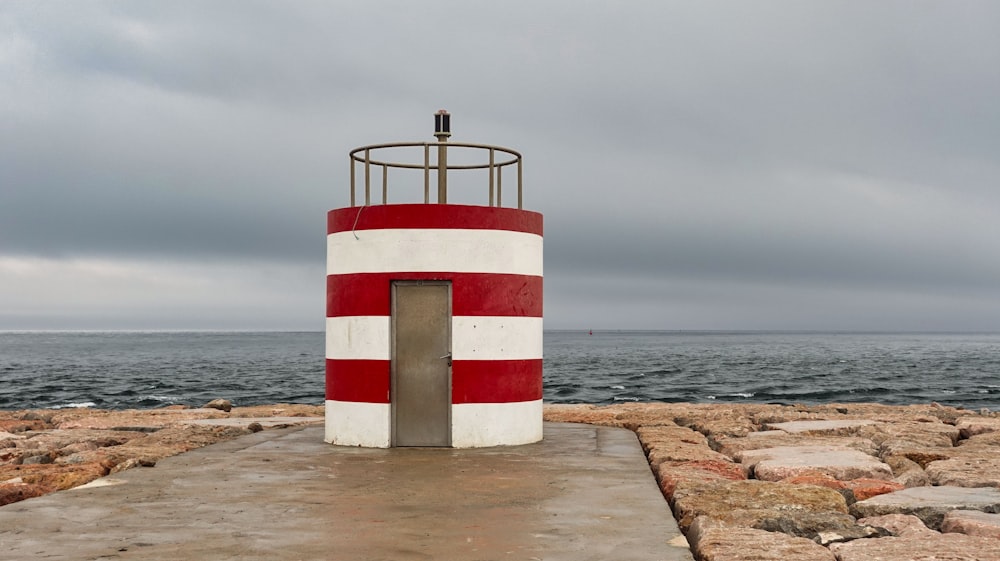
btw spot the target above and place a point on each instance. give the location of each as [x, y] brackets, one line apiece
[132, 369]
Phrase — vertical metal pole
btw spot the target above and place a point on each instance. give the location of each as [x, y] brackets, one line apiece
[352, 179]
[491, 177]
[442, 172]
[427, 173]
[520, 198]
[442, 130]
[385, 183]
[499, 185]
[368, 179]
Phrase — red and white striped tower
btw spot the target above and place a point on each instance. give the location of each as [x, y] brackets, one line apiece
[487, 260]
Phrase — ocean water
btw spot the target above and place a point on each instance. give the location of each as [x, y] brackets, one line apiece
[151, 369]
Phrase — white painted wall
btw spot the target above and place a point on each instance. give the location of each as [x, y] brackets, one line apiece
[475, 425]
[418, 250]
[350, 423]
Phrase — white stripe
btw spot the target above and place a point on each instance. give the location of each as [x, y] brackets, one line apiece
[418, 250]
[495, 424]
[496, 338]
[473, 337]
[351, 423]
[358, 337]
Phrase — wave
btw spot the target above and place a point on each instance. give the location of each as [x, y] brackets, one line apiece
[78, 405]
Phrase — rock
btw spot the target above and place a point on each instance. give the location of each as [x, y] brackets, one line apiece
[821, 479]
[672, 443]
[980, 442]
[144, 421]
[9, 436]
[39, 459]
[929, 503]
[220, 404]
[971, 426]
[37, 415]
[838, 427]
[18, 425]
[132, 463]
[773, 439]
[255, 427]
[651, 435]
[714, 427]
[821, 527]
[906, 472]
[712, 541]
[674, 475]
[635, 415]
[853, 490]
[14, 492]
[51, 477]
[972, 523]
[965, 471]
[775, 464]
[579, 413]
[745, 503]
[930, 433]
[897, 524]
[865, 489]
[917, 453]
[279, 410]
[930, 546]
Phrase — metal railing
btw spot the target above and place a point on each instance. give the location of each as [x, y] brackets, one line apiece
[497, 158]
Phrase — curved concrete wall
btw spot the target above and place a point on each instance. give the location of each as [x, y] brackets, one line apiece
[493, 258]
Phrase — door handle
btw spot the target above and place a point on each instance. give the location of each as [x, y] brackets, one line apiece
[447, 356]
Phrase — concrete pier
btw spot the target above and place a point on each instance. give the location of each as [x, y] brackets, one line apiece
[584, 492]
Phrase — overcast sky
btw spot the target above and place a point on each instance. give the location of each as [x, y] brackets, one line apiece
[700, 165]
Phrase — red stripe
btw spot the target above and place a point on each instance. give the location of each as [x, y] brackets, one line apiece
[473, 294]
[472, 381]
[496, 381]
[357, 380]
[433, 216]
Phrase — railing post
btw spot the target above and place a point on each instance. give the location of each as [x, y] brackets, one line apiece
[385, 184]
[351, 157]
[520, 197]
[500, 186]
[427, 173]
[368, 179]
[491, 176]
[442, 173]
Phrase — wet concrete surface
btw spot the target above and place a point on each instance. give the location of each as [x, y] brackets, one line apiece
[583, 493]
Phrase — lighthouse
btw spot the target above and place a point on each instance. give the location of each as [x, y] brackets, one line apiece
[433, 309]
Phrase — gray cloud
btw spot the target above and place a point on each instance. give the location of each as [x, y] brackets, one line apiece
[735, 165]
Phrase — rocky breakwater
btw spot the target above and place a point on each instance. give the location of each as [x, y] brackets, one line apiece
[44, 450]
[844, 482]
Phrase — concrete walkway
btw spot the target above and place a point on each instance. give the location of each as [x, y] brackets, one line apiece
[585, 492]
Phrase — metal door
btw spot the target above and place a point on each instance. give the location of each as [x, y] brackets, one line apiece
[421, 363]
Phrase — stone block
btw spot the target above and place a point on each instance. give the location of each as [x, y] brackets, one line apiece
[930, 504]
[775, 464]
[713, 541]
[930, 433]
[897, 524]
[929, 546]
[745, 503]
[837, 427]
[973, 425]
[821, 527]
[972, 523]
[674, 475]
[773, 439]
[979, 470]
